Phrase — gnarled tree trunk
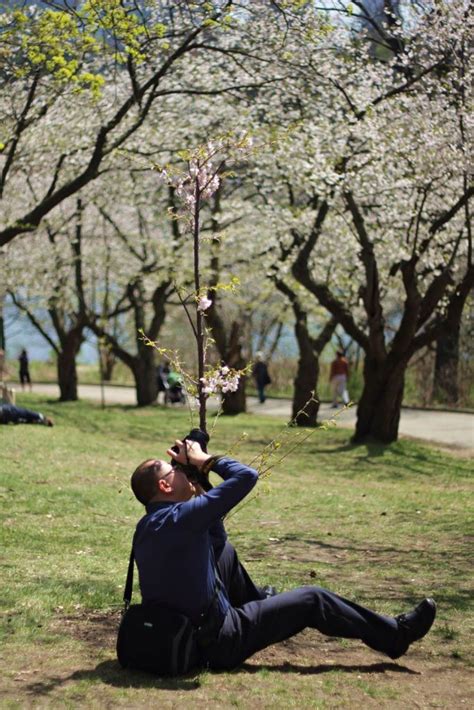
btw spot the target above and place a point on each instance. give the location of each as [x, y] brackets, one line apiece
[445, 381]
[141, 364]
[305, 400]
[144, 373]
[378, 412]
[305, 406]
[66, 365]
[234, 402]
[107, 362]
[305, 403]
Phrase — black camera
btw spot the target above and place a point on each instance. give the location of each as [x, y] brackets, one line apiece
[192, 472]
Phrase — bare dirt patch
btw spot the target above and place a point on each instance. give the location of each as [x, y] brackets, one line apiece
[96, 629]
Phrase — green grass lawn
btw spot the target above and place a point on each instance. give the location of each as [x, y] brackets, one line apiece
[383, 525]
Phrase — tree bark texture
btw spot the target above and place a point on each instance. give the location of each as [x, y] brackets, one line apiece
[445, 380]
[378, 412]
[305, 408]
[66, 365]
[144, 373]
[305, 404]
[107, 360]
[235, 402]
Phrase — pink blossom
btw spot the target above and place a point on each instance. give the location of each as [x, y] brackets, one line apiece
[204, 303]
[221, 381]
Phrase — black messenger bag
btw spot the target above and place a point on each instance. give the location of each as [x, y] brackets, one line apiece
[153, 638]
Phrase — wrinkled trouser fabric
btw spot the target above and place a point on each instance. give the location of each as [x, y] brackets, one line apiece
[239, 586]
[256, 623]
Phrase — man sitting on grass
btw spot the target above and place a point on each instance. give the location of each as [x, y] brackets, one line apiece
[185, 563]
[11, 414]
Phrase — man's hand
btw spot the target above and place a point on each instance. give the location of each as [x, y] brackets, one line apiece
[188, 452]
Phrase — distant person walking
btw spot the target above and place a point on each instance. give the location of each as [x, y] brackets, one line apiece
[338, 375]
[261, 376]
[24, 369]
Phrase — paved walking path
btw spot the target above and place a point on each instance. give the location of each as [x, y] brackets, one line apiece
[446, 428]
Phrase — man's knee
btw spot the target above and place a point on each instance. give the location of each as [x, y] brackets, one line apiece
[310, 594]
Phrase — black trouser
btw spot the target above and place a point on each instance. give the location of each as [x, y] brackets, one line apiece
[256, 623]
[11, 414]
[25, 377]
[261, 393]
[240, 588]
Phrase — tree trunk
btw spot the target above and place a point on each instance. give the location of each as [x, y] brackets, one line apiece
[66, 366]
[235, 402]
[378, 413]
[144, 372]
[445, 382]
[305, 383]
[305, 405]
[107, 361]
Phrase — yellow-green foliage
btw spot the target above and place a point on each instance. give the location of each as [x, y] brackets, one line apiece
[122, 25]
[53, 42]
[63, 44]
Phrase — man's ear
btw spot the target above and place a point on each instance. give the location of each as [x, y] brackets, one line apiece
[164, 486]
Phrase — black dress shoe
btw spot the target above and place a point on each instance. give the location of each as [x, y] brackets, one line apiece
[413, 625]
[269, 591]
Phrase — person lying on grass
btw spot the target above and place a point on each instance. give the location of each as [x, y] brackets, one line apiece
[186, 563]
[11, 414]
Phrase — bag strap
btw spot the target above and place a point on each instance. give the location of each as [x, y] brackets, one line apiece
[127, 594]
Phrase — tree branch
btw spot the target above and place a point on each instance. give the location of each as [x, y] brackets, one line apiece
[371, 291]
[34, 321]
[446, 216]
[29, 221]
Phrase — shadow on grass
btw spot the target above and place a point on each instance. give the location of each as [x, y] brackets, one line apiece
[329, 668]
[110, 673]
[398, 460]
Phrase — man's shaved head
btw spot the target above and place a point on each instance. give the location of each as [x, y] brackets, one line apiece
[145, 480]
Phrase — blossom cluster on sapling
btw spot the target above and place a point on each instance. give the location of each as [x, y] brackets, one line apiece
[202, 178]
[223, 379]
[204, 303]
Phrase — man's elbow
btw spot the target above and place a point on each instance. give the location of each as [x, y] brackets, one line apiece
[252, 475]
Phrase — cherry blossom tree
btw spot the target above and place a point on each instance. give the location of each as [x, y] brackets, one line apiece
[378, 164]
[49, 290]
[107, 70]
[144, 249]
[100, 267]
